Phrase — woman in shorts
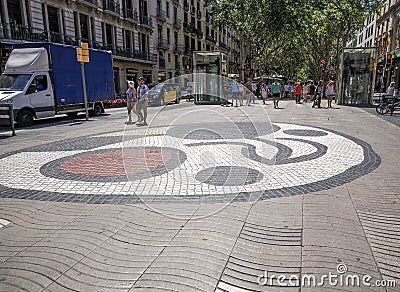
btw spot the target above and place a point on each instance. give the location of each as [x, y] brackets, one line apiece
[131, 100]
[330, 93]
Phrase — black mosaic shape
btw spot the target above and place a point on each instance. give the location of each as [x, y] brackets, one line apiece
[224, 131]
[229, 176]
[305, 133]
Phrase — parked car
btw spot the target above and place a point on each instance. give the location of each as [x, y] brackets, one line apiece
[165, 93]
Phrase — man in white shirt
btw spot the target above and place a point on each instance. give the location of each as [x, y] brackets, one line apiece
[142, 92]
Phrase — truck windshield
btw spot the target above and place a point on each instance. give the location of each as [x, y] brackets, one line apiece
[14, 81]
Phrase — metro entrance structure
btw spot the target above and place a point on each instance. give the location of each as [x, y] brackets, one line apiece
[209, 71]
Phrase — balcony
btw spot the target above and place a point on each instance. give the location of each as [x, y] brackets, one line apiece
[199, 33]
[134, 54]
[198, 14]
[161, 15]
[189, 28]
[90, 3]
[69, 40]
[162, 44]
[178, 48]
[186, 27]
[111, 6]
[192, 10]
[211, 38]
[23, 33]
[224, 46]
[177, 23]
[188, 51]
[161, 63]
[146, 21]
[186, 5]
[131, 15]
[17, 32]
[208, 17]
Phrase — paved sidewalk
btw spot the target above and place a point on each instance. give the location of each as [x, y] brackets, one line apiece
[206, 198]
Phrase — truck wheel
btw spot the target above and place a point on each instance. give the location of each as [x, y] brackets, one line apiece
[97, 110]
[177, 100]
[25, 118]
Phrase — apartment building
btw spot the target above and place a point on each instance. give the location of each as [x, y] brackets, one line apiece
[387, 39]
[150, 38]
[365, 36]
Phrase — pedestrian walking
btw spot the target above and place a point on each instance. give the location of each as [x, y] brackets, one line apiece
[264, 92]
[391, 88]
[306, 89]
[330, 93]
[286, 90]
[142, 95]
[235, 91]
[276, 92]
[318, 94]
[297, 91]
[249, 91]
[254, 90]
[269, 86]
[291, 86]
[311, 91]
[241, 93]
[131, 100]
[225, 94]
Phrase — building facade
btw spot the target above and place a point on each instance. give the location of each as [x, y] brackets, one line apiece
[150, 38]
[365, 36]
[387, 40]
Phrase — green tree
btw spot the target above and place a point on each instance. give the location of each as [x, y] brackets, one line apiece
[293, 35]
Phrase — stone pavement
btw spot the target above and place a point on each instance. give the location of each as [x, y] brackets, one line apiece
[207, 198]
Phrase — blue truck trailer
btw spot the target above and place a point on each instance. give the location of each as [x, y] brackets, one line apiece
[44, 79]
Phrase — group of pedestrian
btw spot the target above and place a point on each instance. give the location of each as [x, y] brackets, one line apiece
[300, 90]
[137, 97]
[137, 101]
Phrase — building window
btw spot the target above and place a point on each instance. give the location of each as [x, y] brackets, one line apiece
[52, 14]
[108, 35]
[76, 24]
[169, 58]
[143, 9]
[93, 25]
[167, 9]
[128, 40]
[168, 36]
[159, 30]
[84, 22]
[14, 11]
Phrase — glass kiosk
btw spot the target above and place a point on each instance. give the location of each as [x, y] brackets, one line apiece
[209, 71]
[356, 76]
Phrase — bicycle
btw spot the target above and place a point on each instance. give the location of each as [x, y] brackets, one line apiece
[388, 106]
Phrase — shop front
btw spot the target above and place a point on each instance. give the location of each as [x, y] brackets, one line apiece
[356, 76]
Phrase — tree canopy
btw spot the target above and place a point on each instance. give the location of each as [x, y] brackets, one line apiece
[292, 36]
